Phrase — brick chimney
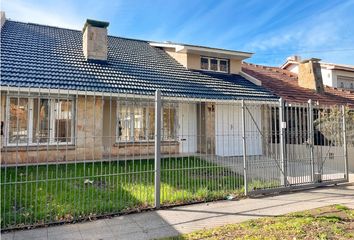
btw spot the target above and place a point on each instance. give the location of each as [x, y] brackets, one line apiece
[310, 75]
[2, 18]
[94, 40]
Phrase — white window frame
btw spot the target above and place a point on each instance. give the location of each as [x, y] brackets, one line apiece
[130, 106]
[148, 120]
[175, 108]
[218, 64]
[30, 121]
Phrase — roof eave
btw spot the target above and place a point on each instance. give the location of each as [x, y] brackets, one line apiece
[336, 67]
[287, 63]
[205, 51]
[215, 52]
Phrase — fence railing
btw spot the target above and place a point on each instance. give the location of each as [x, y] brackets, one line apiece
[69, 155]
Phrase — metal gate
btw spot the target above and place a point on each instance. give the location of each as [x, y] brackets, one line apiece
[304, 146]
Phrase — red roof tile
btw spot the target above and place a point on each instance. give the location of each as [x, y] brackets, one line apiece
[283, 83]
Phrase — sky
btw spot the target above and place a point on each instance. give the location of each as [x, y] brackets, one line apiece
[271, 29]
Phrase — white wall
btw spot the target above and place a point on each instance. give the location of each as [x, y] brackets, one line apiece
[327, 77]
[330, 77]
[293, 68]
[187, 127]
[228, 131]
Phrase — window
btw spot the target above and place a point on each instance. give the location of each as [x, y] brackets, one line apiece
[223, 66]
[345, 81]
[39, 121]
[136, 122]
[168, 124]
[204, 63]
[62, 120]
[18, 121]
[214, 64]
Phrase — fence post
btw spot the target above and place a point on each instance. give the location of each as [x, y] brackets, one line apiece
[282, 127]
[244, 146]
[157, 148]
[311, 139]
[345, 150]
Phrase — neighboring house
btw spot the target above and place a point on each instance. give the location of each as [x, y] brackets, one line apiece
[286, 84]
[295, 88]
[91, 96]
[333, 75]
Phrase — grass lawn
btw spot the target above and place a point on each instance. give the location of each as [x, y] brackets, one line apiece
[50, 193]
[331, 222]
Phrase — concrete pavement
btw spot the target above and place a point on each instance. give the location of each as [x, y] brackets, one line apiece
[185, 219]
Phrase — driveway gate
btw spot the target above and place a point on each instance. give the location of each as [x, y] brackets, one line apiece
[304, 146]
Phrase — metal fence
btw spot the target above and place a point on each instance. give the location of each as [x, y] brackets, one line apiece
[69, 155]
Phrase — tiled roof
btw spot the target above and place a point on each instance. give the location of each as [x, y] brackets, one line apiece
[48, 57]
[284, 84]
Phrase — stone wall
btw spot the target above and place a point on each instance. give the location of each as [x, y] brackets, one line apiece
[94, 43]
[89, 127]
[140, 150]
[310, 75]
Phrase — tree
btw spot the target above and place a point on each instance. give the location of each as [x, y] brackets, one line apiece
[330, 124]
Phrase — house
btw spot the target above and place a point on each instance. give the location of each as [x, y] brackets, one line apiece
[333, 75]
[69, 95]
[90, 108]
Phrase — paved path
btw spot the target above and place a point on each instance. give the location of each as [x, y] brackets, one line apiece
[299, 171]
[170, 222]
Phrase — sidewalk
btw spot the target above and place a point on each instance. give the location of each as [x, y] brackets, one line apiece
[174, 221]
